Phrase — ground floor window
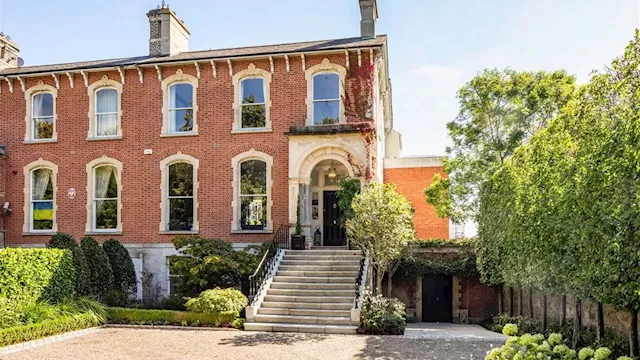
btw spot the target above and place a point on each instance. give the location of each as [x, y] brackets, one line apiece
[42, 199]
[253, 194]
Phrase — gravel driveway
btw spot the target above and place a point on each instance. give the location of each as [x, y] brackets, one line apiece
[118, 343]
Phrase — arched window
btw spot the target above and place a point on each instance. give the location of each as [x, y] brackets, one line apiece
[106, 112]
[253, 109]
[326, 98]
[180, 197]
[105, 198]
[180, 108]
[253, 195]
[42, 116]
[42, 200]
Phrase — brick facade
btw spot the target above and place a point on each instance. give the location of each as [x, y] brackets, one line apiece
[479, 299]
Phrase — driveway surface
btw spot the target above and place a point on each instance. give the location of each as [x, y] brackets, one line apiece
[120, 343]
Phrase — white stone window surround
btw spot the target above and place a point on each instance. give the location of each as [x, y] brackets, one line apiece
[92, 91]
[164, 191]
[250, 72]
[252, 154]
[90, 169]
[28, 171]
[324, 67]
[178, 78]
[29, 94]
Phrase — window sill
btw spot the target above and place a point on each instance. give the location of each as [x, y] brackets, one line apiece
[186, 133]
[251, 131]
[37, 233]
[98, 233]
[265, 231]
[41, 141]
[103, 138]
[179, 232]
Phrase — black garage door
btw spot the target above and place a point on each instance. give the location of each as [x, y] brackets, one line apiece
[436, 298]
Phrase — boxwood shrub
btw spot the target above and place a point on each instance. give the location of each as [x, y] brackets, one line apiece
[226, 303]
[28, 275]
[165, 317]
[30, 332]
[66, 241]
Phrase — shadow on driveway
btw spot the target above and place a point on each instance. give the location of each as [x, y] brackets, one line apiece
[272, 338]
[405, 348]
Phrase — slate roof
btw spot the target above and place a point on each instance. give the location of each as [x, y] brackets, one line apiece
[300, 47]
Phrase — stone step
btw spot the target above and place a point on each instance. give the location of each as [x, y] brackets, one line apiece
[306, 306]
[316, 273]
[292, 319]
[313, 286]
[311, 299]
[314, 279]
[355, 268]
[286, 262]
[305, 292]
[304, 312]
[323, 252]
[320, 329]
[314, 257]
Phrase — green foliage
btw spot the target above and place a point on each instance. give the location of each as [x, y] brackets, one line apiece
[66, 241]
[499, 110]
[428, 243]
[28, 275]
[100, 272]
[382, 316]
[164, 317]
[59, 325]
[209, 263]
[124, 274]
[382, 226]
[349, 189]
[238, 323]
[226, 303]
[464, 266]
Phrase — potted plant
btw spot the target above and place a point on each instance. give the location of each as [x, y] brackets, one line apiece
[297, 239]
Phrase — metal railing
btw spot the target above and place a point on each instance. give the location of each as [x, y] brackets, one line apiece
[280, 241]
[361, 281]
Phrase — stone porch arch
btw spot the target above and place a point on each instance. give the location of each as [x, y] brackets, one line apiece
[349, 157]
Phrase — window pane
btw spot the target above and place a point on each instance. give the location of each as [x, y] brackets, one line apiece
[326, 86]
[326, 112]
[42, 105]
[43, 215]
[106, 184]
[180, 179]
[253, 211]
[181, 120]
[253, 116]
[43, 128]
[106, 214]
[107, 125]
[252, 91]
[180, 214]
[180, 96]
[106, 101]
[42, 184]
[253, 177]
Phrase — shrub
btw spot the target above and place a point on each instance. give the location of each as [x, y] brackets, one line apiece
[101, 275]
[66, 241]
[116, 298]
[124, 274]
[30, 332]
[163, 317]
[225, 302]
[27, 275]
[382, 316]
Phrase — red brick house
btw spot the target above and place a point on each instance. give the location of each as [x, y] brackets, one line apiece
[219, 143]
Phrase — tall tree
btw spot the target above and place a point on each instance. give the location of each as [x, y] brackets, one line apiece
[499, 110]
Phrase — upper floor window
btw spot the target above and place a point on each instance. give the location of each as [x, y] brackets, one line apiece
[326, 98]
[253, 106]
[180, 106]
[180, 196]
[103, 197]
[42, 116]
[40, 197]
[105, 111]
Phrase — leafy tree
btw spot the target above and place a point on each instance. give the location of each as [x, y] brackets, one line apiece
[66, 241]
[100, 272]
[382, 225]
[349, 189]
[124, 273]
[499, 110]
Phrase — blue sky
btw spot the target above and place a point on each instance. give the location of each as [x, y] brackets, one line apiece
[435, 45]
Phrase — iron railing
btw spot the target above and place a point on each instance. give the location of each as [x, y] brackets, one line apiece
[280, 241]
[361, 281]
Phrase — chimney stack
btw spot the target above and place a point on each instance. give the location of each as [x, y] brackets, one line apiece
[8, 53]
[168, 35]
[369, 14]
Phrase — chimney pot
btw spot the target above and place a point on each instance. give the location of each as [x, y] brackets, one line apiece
[369, 14]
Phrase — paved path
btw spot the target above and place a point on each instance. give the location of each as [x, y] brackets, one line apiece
[451, 331]
[116, 344]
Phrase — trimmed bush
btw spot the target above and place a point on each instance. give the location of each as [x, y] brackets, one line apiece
[225, 302]
[30, 332]
[66, 241]
[382, 316]
[27, 275]
[100, 273]
[124, 274]
[165, 317]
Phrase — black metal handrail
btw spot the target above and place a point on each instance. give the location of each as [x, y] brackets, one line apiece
[362, 277]
[280, 241]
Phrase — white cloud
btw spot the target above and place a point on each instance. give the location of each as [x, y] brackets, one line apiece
[437, 72]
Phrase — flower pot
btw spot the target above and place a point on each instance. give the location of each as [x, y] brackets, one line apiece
[297, 242]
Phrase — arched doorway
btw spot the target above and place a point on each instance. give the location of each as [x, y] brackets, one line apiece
[326, 217]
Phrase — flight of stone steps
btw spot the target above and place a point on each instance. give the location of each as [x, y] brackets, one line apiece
[313, 291]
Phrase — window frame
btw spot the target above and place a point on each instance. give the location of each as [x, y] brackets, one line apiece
[32, 202]
[164, 193]
[314, 101]
[90, 226]
[170, 109]
[178, 78]
[92, 92]
[325, 67]
[251, 72]
[170, 197]
[242, 104]
[236, 161]
[29, 96]
[28, 170]
[34, 118]
[241, 196]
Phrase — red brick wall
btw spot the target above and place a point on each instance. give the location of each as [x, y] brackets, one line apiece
[141, 127]
[479, 299]
[412, 182]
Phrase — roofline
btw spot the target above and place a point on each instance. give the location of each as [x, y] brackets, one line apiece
[141, 64]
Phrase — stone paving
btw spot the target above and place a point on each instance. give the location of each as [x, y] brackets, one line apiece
[422, 341]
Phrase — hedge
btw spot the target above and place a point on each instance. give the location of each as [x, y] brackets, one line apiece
[165, 317]
[31, 274]
[100, 272]
[30, 332]
[66, 241]
[124, 273]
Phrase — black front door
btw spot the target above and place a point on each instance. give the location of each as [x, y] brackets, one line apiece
[436, 298]
[334, 234]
